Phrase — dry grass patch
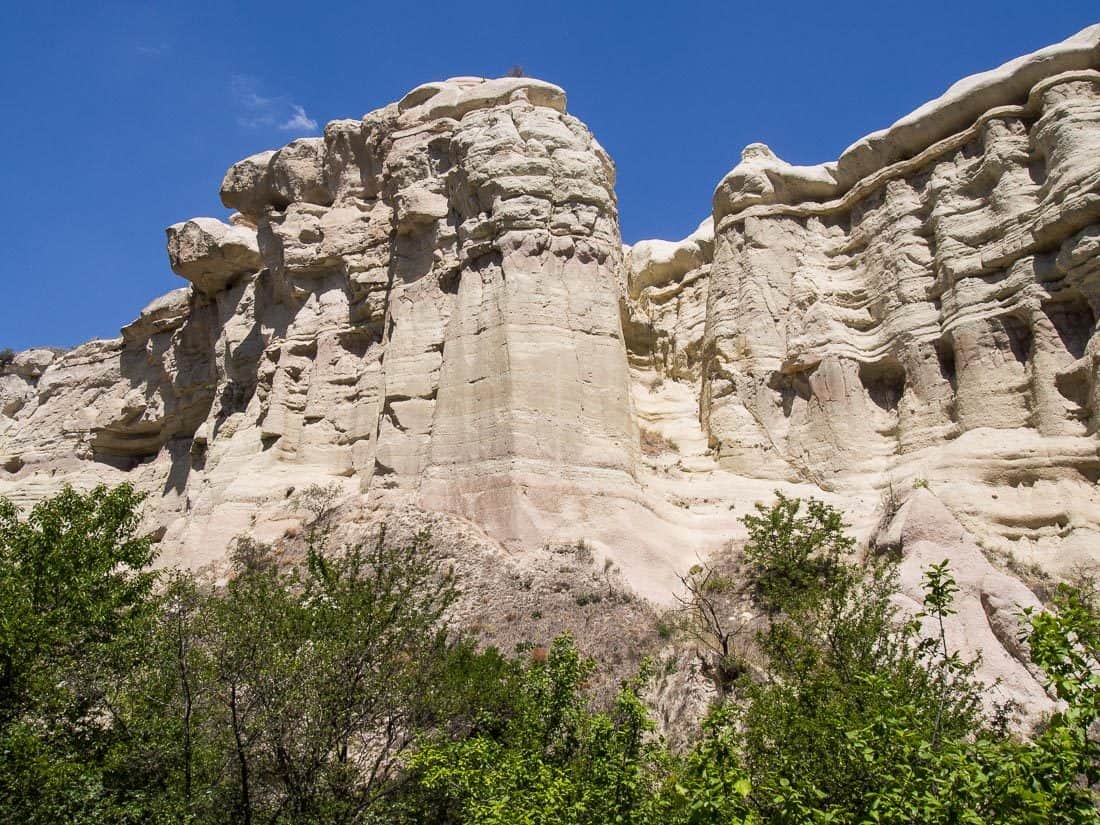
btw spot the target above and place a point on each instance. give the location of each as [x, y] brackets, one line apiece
[654, 443]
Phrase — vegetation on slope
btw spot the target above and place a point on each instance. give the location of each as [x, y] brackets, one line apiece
[337, 691]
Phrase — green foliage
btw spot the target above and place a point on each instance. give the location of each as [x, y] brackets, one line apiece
[838, 658]
[861, 718]
[286, 695]
[555, 761]
[69, 587]
[310, 681]
[334, 691]
[75, 606]
[792, 556]
[710, 785]
[991, 777]
[665, 629]
[1065, 643]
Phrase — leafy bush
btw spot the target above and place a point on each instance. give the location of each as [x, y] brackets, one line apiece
[555, 762]
[794, 558]
[855, 717]
[287, 695]
[76, 603]
[837, 656]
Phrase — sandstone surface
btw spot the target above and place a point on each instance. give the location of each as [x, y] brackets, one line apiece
[431, 307]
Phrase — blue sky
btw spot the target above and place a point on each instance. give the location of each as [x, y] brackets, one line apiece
[119, 118]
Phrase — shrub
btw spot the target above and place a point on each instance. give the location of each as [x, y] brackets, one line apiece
[584, 551]
[76, 606]
[794, 557]
[665, 629]
[554, 762]
[287, 694]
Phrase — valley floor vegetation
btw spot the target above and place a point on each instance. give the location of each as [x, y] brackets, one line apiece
[334, 690]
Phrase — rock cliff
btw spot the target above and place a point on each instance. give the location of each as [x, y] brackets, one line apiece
[431, 307]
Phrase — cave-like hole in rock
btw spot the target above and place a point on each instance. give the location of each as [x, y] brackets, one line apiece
[118, 460]
[357, 340]
[449, 281]
[1074, 387]
[1090, 473]
[235, 397]
[127, 448]
[945, 354]
[1019, 337]
[884, 382]
[788, 387]
[1037, 171]
[1073, 320]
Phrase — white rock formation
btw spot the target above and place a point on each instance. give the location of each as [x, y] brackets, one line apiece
[935, 318]
[211, 254]
[432, 306]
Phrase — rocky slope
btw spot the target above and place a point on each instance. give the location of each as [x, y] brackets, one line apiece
[431, 307]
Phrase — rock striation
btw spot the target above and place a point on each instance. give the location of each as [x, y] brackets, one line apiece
[431, 307]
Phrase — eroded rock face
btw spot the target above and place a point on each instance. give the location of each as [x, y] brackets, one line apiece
[935, 319]
[922, 309]
[211, 254]
[422, 304]
[431, 307]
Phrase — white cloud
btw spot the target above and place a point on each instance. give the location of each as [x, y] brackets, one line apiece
[257, 111]
[300, 122]
[153, 49]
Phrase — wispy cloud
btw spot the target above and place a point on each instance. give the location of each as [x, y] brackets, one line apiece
[300, 122]
[258, 111]
[153, 49]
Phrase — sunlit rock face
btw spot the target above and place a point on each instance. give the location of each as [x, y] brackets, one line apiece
[423, 303]
[933, 318]
[922, 309]
[431, 307]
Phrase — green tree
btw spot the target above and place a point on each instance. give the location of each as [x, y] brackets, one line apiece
[860, 717]
[837, 656]
[76, 603]
[1065, 643]
[990, 776]
[297, 689]
[334, 691]
[793, 554]
[555, 760]
[287, 695]
[710, 785]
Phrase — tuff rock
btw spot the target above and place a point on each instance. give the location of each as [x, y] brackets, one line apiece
[431, 307]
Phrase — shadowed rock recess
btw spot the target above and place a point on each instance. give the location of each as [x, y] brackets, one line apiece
[431, 308]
